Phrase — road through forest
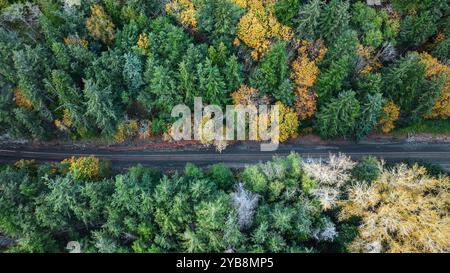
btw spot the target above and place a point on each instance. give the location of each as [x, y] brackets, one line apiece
[235, 156]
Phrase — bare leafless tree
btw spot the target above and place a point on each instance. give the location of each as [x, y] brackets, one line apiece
[245, 204]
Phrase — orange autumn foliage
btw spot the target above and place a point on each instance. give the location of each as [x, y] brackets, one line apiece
[288, 122]
[74, 40]
[434, 68]
[184, 11]
[125, 130]
[304, 71]
[246, 95]
[99, 25]
[306, 103]
[249, 96]
[21, 100]
[83, 167]
[368, 61]
[288, 119]
[391, 113]
[258, 27]
[304, 75]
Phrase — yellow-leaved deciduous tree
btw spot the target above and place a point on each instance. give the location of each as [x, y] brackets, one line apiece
[391, 113]
[367, 61]
[304, 75]
[66, 122]
[127, 129]
[306, 102]
[99, 24]
[23, 163]
[404, 210]
[206, 130]
[75, 40]
[259, 26]
[67, 118]
[288, 122]
[434, 68]
[249, 96]
[184, 11]
[143, 42]
[83, 167]
[21, 100]
[246, 95]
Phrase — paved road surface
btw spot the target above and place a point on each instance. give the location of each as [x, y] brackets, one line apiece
[236, 156]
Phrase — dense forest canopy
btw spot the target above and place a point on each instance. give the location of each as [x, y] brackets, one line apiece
[288, 204]
[110, 69]
[114, 69]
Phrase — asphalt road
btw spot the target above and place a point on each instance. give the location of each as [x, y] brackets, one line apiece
[235, 156]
